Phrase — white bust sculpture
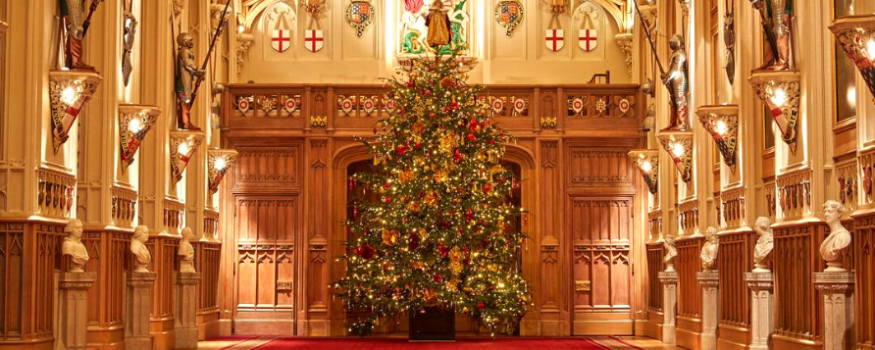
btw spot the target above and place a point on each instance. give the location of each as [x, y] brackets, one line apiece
[73, 246]
[186, 251]
[765, 243]
[709, 249]
[839, 238]
[138, 246]
[670, 252]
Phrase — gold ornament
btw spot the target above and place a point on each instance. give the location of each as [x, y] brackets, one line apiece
[431, 198]
[390, 237]
[456, 260]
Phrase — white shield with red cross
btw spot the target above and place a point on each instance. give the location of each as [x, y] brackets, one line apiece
[555, 39]
[281, 39]
[588, 39]
[314, 40]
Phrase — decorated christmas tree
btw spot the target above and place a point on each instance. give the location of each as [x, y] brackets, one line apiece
[440, 230]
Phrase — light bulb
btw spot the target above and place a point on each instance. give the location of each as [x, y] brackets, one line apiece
[135, 125]
[779, 97]
[68, 95]
[721, 128]
[646, 166]
[221, 163]
[183, 148]
[241, 28]
[870, 49]
[677, 150]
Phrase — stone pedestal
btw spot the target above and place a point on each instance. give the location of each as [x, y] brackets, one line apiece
[762, 320]
[837, 289]
[708, 281]
[138, 305]
[669, 280]
[74, 309]
[186, 310]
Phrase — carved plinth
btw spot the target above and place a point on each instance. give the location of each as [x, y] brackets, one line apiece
[186, 310]
[669, 280]
[708, 281]
[837, 289]
[74, 308]
[761, 285]
[138, 305]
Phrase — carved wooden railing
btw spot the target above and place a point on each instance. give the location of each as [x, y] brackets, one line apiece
[288, 106]
[771, 199]
[55, 193]
[846, 178]
[174, 212]
[211, 224]
[688, 217]
[124, 206]
[866, 160]
[207, 263]
[794, 193]
[654, 225]
[654, 266]
[731, 208]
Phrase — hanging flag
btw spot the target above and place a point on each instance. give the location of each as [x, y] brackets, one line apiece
[313, 40]
[555, 39]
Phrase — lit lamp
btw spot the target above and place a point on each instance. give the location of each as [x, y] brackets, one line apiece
[779, 91]
[183, 144]
[218, 162]
[722, 123]
[69, 92]
[134, 122]
[679, 145]
[647, 162]
[855, 35]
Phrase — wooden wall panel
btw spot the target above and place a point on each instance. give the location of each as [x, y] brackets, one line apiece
[689, 316]
[798, 307]
[864, 261]
[733, 261]
[109, 253]
[207, 257]
[165, 265]
[599, 167]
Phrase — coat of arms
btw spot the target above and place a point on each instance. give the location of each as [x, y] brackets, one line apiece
[555, 39]
[314, 40]
[360, 14]
[509, 14]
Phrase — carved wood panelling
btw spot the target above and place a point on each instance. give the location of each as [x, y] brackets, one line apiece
[771, 199]
[262, 168]
[268, 105]
[55, 193]
[846, 178]
[599, 167]
[794, 193]
[507, 103]
[688, 217]
[317, 269]
[654, 225]
[654, 266]
[211, 223]
[864, 261]
[12, 268]
[207, 255]
[108, 253]
[731, 209]
[124, 206]
[688, 264]
[165, 265]
[735, 258]
[174, 213]
[795, 257]
[867, 176]
[600, 221]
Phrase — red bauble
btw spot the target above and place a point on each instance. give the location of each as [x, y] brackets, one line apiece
[388, 200]
[438, 278]
[457, 156]
[431, 115]
[413, 243]
[417, 145]
[427, 93]
[387, 184]
[471, 137]
[487, 188]
[491, 141]
[444, 250]
[480, 306]
[401, 150]
[366, 251]
[469, 215]
[410, 83]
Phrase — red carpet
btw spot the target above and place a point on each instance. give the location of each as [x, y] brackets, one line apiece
[604, 343]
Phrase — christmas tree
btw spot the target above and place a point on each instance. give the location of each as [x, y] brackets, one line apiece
[440, 229]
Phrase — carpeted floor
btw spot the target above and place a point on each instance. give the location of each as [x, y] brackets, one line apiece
[597, 343]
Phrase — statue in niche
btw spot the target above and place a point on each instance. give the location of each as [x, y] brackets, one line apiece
[677, 82]
[73, 246]
[438, 22]
[670, 252]
[186, 73]
[130, 27]
[138, 246]
[709, 249]
[776, 17]
[839, 239]
[765, 243]
[186, 251]
[73, 16]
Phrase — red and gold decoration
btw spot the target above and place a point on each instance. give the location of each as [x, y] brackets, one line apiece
[360, 14]
[69, 92]
[721, 122]
[647, 163]
[779, 91]
[439, 229]
[134, 123]
[679, 145]
[218, 162]
[509, 14]
[183, 144]
[856, 36]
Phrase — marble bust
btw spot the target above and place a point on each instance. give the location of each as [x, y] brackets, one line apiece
[839, 238]
[73, 246]
[709, 249]
[186, 251]
[670, 252]
[765, 243]
[138, 246]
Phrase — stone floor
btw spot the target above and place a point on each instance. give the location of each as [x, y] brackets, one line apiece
[242, 343]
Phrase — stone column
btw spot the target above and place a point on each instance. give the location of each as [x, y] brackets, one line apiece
[762, 308]
[708, 281]
[669, 280]
[186, 309]
[74, 308]
[837, 289]
[138, 305]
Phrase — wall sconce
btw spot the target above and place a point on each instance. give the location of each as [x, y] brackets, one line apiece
[69, 92]
[647, 162]
[134, 123]
[856, 35]
[183, 144]
[218, 162]
[679, 145]
[722, 123]
[779, 91]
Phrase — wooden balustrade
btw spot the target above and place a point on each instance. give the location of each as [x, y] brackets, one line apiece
[55, 193]
[689, 316]
[174, 212]
[866, 159]
[794, 193]
[731, 208]
[124, 206]
[770, 192]
[688, 217]
[211, 224]
[846, 178]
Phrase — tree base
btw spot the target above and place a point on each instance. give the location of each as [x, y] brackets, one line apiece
[433, 325]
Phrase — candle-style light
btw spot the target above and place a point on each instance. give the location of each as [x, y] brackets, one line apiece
[134, 122]
[679, 145]
[69, 92]
[721, 122]
[780, 92]
[856, 36]
[218, 162]
[647, 163]
[183, 144]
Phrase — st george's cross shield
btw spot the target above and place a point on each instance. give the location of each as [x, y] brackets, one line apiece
[280, 39]
[314, 40]
[555, 39]
[588, 39]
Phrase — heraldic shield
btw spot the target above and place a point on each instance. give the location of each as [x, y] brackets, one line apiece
[588, 39]
[280, 39]
[314, 40]
[555, 39]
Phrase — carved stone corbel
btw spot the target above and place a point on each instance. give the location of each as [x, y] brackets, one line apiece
[244, 42]
[624, 41]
